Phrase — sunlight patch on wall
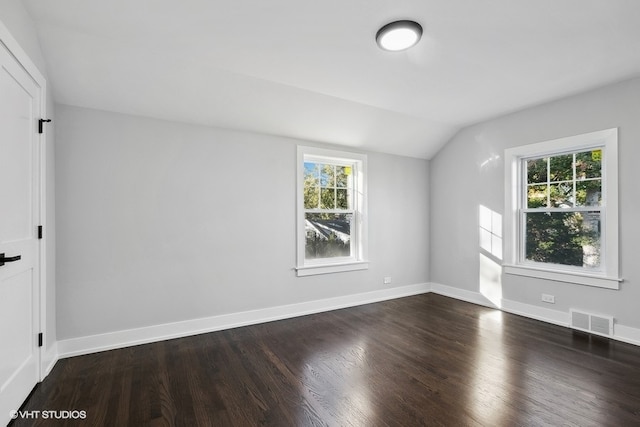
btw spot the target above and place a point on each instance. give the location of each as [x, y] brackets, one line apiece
[491, 280]
[490, 231]
[490, 241]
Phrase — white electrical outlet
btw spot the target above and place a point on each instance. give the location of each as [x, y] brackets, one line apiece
[387, 280]
[548, 298]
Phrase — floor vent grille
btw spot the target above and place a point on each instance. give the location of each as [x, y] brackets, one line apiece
[593, 323]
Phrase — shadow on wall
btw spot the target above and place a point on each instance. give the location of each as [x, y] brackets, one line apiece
[490, 238]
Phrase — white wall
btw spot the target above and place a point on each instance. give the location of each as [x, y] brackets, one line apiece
[161, 222]
[16, 19]
[469, 170]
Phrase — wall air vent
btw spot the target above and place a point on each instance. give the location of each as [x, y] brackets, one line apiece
[592, 323]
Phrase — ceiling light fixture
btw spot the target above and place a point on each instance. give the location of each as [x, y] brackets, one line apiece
[399, 35]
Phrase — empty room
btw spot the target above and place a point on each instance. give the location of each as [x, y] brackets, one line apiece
[304, 213]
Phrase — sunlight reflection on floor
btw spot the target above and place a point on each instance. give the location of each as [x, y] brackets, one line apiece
[348, 365]
[490, 386]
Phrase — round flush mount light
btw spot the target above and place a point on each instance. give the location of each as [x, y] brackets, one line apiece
[399, 35]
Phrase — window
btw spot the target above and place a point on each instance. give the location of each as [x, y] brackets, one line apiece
[561, 209]
[331, 211]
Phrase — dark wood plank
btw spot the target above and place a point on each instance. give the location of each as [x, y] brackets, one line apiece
[424, 360]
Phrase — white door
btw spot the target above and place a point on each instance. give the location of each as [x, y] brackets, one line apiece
[19, 216]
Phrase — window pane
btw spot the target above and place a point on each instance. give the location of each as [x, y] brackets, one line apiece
[566, 238]
[561, 195]
[561, 168]
[327, 235]
[589, 193]
[537, 196]
[310, 169]
[311, 186]
[536, 171]
[327, 176]
[310, 196]
[589, 164]
[342, 176]
[327, 198]
[342, 198]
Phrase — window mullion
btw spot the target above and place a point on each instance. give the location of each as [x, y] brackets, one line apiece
[554, 210]
[574, 195]
[548, 181]
[330, 211]
[335, 185]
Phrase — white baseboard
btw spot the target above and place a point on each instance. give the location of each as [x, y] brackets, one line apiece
[622, 333]
[126, 338]
[461, 294]
[131, 337]
[534, 312]
[626, 334]
[48, 360]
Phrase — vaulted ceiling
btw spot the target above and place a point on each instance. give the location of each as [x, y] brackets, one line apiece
[312, 70]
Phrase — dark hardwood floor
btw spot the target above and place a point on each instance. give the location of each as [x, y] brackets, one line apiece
[423, 360]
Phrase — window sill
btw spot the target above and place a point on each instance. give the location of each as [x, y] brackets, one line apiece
[563, 276]
[311, 270]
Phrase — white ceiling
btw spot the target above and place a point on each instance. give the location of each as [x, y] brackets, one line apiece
[311, 69]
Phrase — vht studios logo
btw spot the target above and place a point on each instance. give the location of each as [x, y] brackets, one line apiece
[49, 415]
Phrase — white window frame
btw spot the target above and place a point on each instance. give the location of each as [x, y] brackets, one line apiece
[358, 258]
[515, 180]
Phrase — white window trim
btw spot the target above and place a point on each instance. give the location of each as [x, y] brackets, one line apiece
[513, 264]
[333, 265]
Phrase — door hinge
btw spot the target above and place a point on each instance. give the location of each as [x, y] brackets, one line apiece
[40, 122]
[39, 232]
[40, 339]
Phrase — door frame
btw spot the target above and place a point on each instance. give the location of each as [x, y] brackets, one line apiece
[44, 364]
